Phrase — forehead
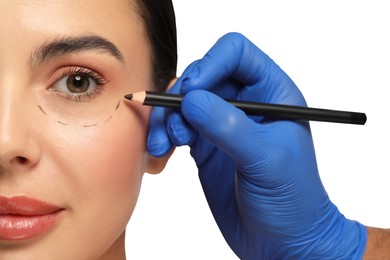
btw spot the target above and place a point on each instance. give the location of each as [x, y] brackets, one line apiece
[37, 21]
[65, 14]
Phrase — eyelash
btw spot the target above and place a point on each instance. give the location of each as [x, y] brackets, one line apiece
[99, 80]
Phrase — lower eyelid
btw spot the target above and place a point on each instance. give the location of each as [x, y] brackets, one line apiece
[86, 96]
[80, 97]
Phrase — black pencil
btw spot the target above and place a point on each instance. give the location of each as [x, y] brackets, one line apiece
[274, 111]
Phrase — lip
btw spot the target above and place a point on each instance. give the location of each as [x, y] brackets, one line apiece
[24, 218]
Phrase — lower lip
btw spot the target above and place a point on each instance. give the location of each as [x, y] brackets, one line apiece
[18, 227]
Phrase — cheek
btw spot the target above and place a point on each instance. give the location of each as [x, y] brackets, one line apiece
[101, 170]
[107, 158]
[111, 152]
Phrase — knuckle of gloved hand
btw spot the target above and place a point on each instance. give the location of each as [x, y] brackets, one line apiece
[234, 38]
[229, 127]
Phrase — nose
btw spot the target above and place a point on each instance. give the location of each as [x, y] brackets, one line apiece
[18, 149]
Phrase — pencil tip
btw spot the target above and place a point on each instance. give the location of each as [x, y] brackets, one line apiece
[129, 96]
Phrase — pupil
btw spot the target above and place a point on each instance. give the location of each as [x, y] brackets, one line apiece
[77, 82]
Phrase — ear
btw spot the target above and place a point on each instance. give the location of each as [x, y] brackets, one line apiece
[172, 82]
[156, 165]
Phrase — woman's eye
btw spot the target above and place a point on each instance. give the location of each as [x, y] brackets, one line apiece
[79, 84]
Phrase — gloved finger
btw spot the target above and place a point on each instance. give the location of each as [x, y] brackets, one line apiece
[179, 131]
[234, 56]
[159, 141]
[225, 126]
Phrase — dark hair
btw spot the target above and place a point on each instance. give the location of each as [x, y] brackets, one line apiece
[159, 20]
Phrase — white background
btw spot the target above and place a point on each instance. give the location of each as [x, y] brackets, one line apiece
[337, 52]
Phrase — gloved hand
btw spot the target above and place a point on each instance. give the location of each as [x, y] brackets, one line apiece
[259, 176]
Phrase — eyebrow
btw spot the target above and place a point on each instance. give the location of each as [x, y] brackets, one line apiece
[73, 45]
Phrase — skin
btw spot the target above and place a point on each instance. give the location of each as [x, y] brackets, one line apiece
[378, 242]
[93, 173]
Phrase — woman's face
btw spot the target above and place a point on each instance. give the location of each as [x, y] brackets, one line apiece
[72, 151]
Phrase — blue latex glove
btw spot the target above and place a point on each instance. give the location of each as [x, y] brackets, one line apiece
[259, 176]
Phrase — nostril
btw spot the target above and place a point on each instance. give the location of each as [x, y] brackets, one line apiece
[21, 160]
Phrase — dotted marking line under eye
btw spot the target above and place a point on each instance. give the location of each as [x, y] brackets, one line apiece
[108, 119]
[85, 126]
[117, 106]
[61, 123]
[43, 111]
[90, 125]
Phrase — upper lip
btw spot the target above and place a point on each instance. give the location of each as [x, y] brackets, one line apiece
[25, 206]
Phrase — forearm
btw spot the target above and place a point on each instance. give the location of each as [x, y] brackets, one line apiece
[378, 244]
